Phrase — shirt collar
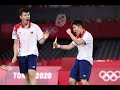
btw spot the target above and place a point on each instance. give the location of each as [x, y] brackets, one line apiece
[28, 25]
[80, 36]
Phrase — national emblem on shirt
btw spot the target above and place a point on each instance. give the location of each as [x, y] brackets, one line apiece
[31, 32]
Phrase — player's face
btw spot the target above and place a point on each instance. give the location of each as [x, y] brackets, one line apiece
[77, 29]
[25, 16]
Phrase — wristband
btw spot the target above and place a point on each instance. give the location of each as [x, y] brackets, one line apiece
[58, 46]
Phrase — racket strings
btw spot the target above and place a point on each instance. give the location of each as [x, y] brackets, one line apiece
[60, 20]
[6, 68]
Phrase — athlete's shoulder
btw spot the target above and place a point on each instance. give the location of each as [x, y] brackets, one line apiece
[87, 32]
[35, 25]
[17, 26]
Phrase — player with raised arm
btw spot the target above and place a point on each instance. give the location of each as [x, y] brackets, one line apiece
[81, 69]
[26, 35]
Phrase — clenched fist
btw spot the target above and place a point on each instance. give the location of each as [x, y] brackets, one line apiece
[68, 31]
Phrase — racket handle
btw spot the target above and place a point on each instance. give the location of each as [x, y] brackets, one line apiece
[10, 64]
[55, 42]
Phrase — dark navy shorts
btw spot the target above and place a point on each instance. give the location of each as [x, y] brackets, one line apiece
[81, 69]
[27, 62]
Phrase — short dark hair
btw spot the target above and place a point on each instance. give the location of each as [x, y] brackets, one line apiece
[23, 10]
[78, 22]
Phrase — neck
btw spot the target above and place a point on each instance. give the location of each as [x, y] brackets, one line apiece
[25, 23]
[82, 32]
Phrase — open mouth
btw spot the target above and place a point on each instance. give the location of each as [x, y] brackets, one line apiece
[27, 19]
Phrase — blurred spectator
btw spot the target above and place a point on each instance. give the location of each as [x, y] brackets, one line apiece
[87, 20]
[29, 6]
[108, 20]
[65, 6]
[57, 6]
[98, 20]
[54, 6]
[117, 20]
[99, 5]
[36, 6]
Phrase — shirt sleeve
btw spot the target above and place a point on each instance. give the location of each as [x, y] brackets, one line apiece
[87, 38]
[14, 33]
[39, 33]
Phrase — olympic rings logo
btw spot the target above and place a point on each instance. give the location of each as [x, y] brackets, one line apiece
[109, 75]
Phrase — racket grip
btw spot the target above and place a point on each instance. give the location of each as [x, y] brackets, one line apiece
[55, 42]
[53, 47]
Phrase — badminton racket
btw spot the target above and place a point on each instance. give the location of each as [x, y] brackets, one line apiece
[7, 67]
[59, 22]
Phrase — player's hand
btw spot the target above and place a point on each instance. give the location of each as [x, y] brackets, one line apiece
[55, 44]
[68, 31]
[14, 59]
[46, 35]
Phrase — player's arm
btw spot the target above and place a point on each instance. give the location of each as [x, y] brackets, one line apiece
[67, 47]
[42, 41]
[64, 47]
[15, 45]
[77, 41]
[45, 36]
[15, 49]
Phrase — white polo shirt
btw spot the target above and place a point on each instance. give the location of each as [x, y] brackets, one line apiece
[27, 38]
[85, 51]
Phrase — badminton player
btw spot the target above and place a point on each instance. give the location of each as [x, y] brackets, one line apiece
[81, 69]
[26, 35]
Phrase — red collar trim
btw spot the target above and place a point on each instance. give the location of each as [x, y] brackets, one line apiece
[28, 25]
[80, 36]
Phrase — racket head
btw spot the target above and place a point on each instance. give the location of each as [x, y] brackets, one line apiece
[60, 20]
[6, 67]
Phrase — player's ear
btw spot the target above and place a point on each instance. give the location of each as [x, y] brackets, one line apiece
[20, 17]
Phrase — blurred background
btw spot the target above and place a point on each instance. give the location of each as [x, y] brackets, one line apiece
[102, 21]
